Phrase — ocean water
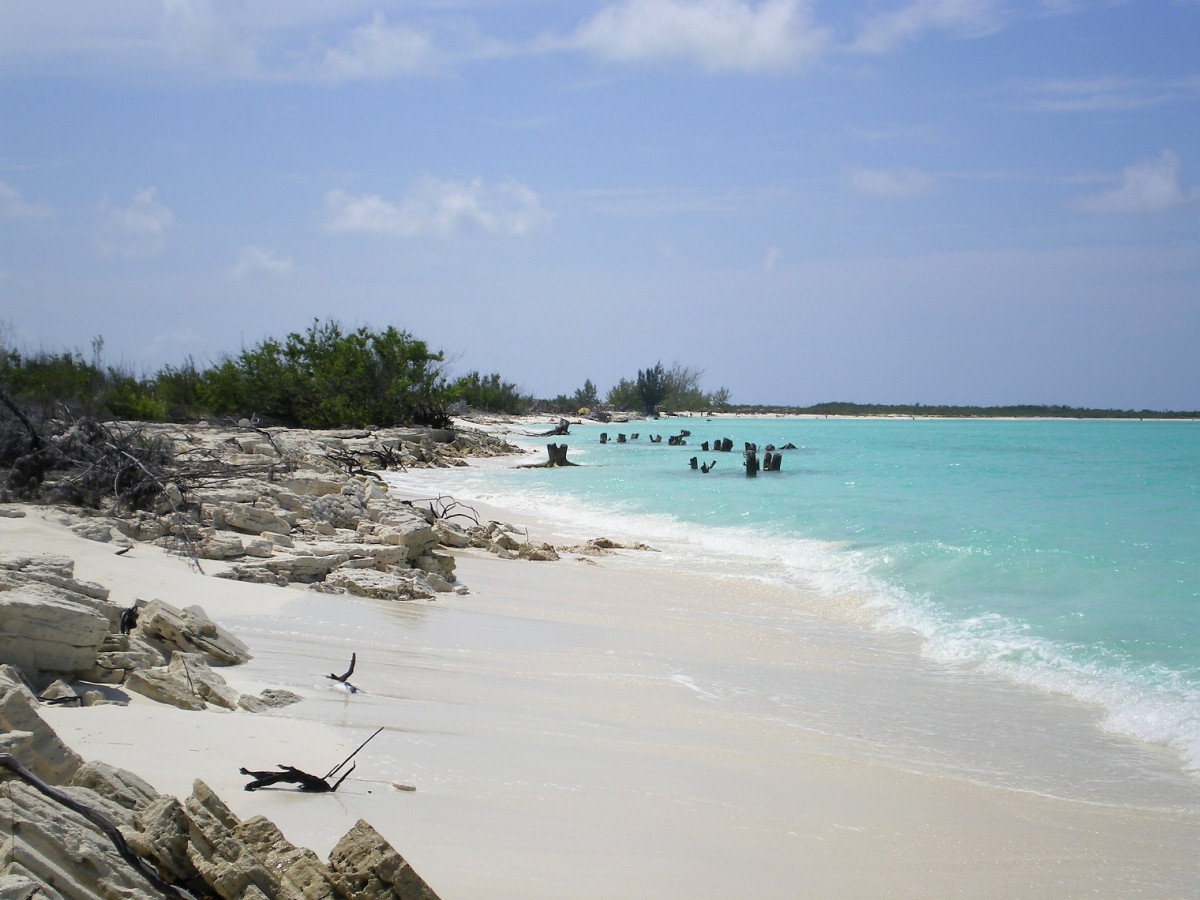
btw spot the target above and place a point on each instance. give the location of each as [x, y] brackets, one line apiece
[1060, 558]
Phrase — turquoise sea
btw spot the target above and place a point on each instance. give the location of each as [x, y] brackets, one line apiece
[1061, 557]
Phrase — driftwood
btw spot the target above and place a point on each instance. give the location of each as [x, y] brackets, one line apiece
[558, 430]
[708, 467]
[342, 678]
[443, 507]
[8, 761]
[310, 784]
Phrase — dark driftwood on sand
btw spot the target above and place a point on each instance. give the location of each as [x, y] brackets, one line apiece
[311, 784]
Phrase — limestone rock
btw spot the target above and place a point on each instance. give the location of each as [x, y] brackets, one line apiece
[366, 866]
[57, 571]
[368, 583]
[120, 786]
[91, 867]
[222, 860]
[219, 545]
[450, 535]
[192, 669]
[163, 832]
[163, 686]
[268, 698]
[42, 629]
[61, 693]
[300, 871]
[250, 519]
[192, 631]
[42, 753]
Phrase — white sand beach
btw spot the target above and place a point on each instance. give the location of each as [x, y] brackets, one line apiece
[563, 743]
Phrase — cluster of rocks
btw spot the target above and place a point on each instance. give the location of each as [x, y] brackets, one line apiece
[59, 632]
[301, 507]
[52, 849]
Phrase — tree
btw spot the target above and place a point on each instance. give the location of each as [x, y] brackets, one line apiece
[586, 396]
[326, 377]
[489, 393]
[652, 387]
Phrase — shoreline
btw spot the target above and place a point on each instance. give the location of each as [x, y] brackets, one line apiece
[555, 751]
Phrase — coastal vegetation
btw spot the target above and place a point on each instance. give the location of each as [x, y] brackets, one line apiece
[329, 376]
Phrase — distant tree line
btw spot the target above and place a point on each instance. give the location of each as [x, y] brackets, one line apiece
[328, 376]
[1017, 411]
[324, 377]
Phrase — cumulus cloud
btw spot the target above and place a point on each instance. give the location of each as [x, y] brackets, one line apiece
[960, 18]
[254, 260]
[890, 183]
[441, 209]
[718, 35]
[1149, 186]
[378, 50]
[14, 206]
[135, 231]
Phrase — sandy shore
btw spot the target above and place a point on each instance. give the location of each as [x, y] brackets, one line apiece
[559, 746]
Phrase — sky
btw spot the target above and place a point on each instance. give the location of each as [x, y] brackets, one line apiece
[980, 202]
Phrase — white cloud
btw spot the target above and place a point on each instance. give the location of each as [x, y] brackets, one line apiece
[379, 50]
[960, 18]
[718, 35]
[1149, 186]
[255, 260]
[891, 183]
[440, 208]
[13, 205]
[135, 231]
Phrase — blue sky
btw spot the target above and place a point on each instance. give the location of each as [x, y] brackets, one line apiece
[935, 201]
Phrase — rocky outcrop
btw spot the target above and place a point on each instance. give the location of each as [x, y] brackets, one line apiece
[50, 623]
[196, 844]
[190, 630]
[365, 865]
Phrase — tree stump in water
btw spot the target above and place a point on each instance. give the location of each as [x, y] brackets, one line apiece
[751, 461]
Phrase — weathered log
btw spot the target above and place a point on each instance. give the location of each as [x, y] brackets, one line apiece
[620, 438]
[768, 458]
[604, 437]
[776, 461]
[708, 467]
[727, 445]
[693, 462]
[558, 430]
[704, 446]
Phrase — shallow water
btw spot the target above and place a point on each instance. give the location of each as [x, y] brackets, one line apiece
[1049, 559]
